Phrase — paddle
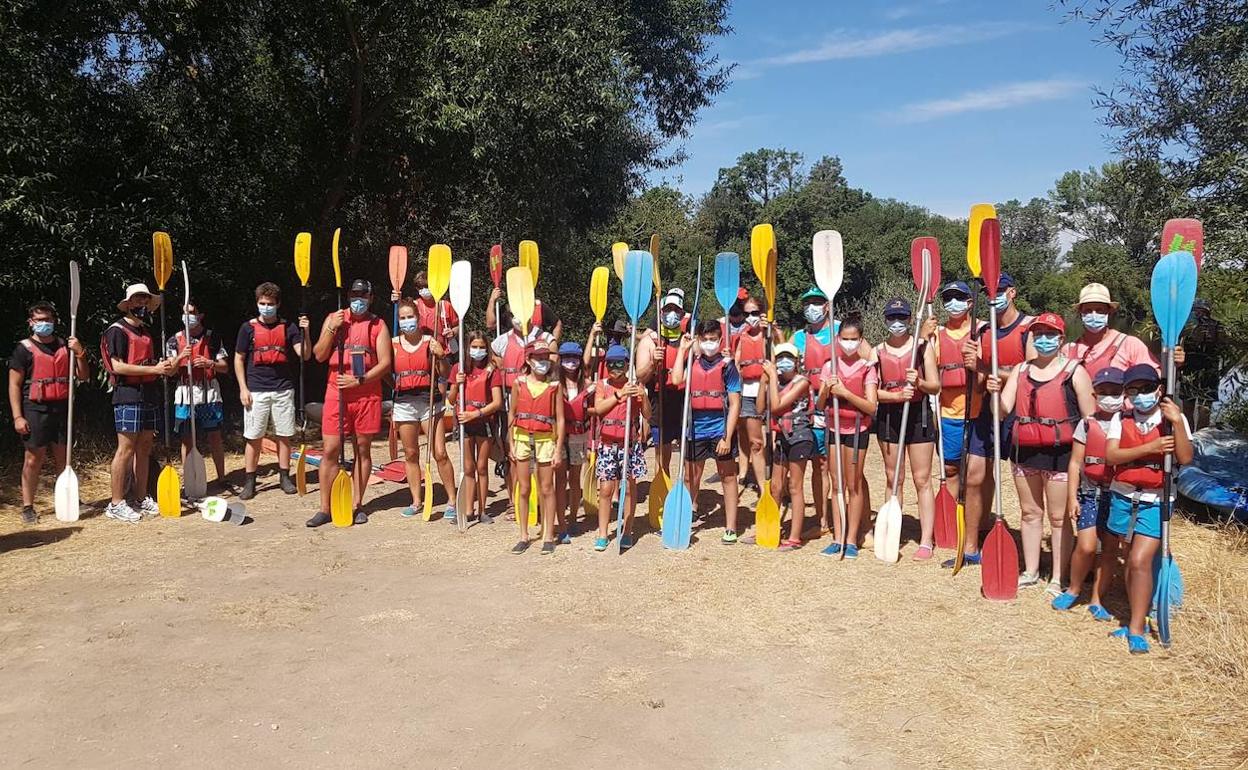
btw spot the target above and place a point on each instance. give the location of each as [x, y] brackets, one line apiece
[678, 507]
[520, 303]
[763, 257]
[496, 277]
[638, 276]
[341, 495]
[439, 281]
[398, 274]
[828, 255]
[1173, 292]
[1000, 555]
[618, 250]
[303, 268]
[979, 212]
[194, 475]
[461, 293]
[661, 482]
[168, 487]
[598, 285]
[530, 258]
[945, 530]
[1184, 235]
[65, 495]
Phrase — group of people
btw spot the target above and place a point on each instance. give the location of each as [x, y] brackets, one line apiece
[1084, 423]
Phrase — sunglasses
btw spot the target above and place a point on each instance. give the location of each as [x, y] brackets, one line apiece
[617, 365]
[1135, 390]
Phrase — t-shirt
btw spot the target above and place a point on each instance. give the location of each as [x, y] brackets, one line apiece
[268, 378]
[206, 391]
[1114, 433]
[549, 318]
[499, 346]
[117, 345]
[953, 400]
[713, 423]
[1132, 351]
[23, 361]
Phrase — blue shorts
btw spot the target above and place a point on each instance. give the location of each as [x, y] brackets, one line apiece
[951, 439]
[821, 441]
[134, 418]
[208, 417]
[981, 434]
[1147, 517]
[1093, 508]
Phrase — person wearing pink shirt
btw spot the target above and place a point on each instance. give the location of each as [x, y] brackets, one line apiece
[1100, 347]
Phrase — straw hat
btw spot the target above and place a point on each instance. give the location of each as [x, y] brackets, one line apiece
[138, 288]
[1095, 292]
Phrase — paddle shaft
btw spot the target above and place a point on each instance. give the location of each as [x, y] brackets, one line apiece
[342, 360]
[625, 477]
[934, 399]
[836, 429]
[905, 407]
[164, 381]
[69, 413]
[996, 419]
[463, 450]
[303, 346]
[971, 377]
[190, 359]
[433, 384]
[1167, 505]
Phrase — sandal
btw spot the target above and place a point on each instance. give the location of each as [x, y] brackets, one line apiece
[1099, 613]
[1064, 601]
[1137, 645]
[923, 554]
[789, 545]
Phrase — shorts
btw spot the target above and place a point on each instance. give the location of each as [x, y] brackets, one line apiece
[672, 404]
[702, 449]
[798, 445]
[1093, 508]
[208, 417]
[1022, 471]
[859, 440]
[414, 408]
[527, 445]
[981, 434]
[134, 418]
[749, 404]
[951, 439]
[478, 429]
[611, 457]
[918, 429]
[821, 442]
[276, 406]
[1147, 517]
[47, 425]
[362, 417]
[575, 448]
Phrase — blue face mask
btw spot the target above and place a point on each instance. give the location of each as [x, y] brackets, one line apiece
[785, 365]
[1047, 344]
[671, 319]
[266, 311]
[478, 354]
[1000, 302]
[359, 306]
[1145, 402]
[406, 325]
[191, 320]
[956, 306]
[897, 328]
[1095, 322]
[43, 328]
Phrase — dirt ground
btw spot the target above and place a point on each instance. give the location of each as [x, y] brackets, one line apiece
[185, 643]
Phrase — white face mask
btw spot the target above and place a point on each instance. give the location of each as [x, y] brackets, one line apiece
[753, 321]
[425, 294]
[849, 346]
[478, 354]
[813, 313]
[191, 320]
[570, 364]
[956, 306]
[785, 365]
[267, 311]
[671, 319]
[897, 328]
[1109, 404]
[540, 367]
[709, 347]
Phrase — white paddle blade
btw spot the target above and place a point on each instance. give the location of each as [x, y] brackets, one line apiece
[887, 535]
[194, 475]
[461, 286]
[828, 253]
[65, 497]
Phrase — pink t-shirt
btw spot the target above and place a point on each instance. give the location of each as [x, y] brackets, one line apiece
[1115, 349]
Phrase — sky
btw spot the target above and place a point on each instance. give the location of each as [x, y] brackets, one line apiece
[939, 103]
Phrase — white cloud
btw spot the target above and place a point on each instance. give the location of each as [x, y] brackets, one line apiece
[987, 99]
[847, 44]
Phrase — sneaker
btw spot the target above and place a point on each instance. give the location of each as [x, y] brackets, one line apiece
[832, 550]
[729, 537]
[288, 486]
[548, 548]
[968, 560]
[249, 488]
[600, 544]
[122, 512]
[148, 507]
[29, 516]
[1054, 588]
[449, 515]
[408, 511]
[1027, 580]
[360, 518]
[626, 542]
[320, 519]
[485, 518]
[565, 539]
[851, 551]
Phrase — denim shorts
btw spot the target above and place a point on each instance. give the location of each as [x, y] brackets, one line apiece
[1093, 508]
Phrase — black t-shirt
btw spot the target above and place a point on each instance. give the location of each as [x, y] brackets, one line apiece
[117, 345]
[23, 361]
[267, 378]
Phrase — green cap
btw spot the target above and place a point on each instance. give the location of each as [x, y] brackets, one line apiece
[814, 292]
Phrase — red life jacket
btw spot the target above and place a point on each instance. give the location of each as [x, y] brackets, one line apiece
[535, 414]
[476, 387]
[1010, 348]
[360, 336]
[613, 424]
[576, 412]
[1106, 357]
[1095, 469]
[49, 373]
[268, 342]
[669, 362]
[949, 359]
[1146, 472]
[752, 347]
[857, 384]
[413, 369]
[814, 357]
[796, 415]
[139, 351]
[708, 390]
[513, 358]
[1042, 413]
[427, 312]
[199, 349]
[893, 370]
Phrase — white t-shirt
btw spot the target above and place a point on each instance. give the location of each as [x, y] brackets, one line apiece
[1114, 433]
[499, 345]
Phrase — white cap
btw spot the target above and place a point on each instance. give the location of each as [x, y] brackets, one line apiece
[674, 297]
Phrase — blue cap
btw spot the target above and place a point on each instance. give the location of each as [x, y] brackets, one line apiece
[814, 292]
[571, 349]
[1141, 373]
[1110, 375]
[955, 286]
[1005, 282]
[617, 353]
[897, 308]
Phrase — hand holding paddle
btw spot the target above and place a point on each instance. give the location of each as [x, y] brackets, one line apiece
[763, 257]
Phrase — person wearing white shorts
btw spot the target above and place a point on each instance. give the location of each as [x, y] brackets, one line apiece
[275, 407]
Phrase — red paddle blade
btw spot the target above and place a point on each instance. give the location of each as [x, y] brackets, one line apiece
[398, 267]
[1000, 564]
[990, 255]
[496, 264]
[946, 519]
[917, 247]
[1184, 235]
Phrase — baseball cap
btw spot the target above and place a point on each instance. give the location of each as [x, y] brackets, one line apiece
[787, 349]
[814, 292]
[959, 287]
[1051, 320]
[1110, 375]
[571, 349]
[897, 308]
[619, 327]
[675, 296]
[1095, 292]
[1005, 282]
[1141, 373]
[617, 353]
[359, 284]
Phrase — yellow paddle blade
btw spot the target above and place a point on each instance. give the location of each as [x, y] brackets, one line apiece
[589, 484]
[337, 267]
[533, 500]
[303, 257]
[598, 282]
[168, 493]
[520, 295]
[618, 250]
[340, 501]
[979, 212]
[439, 269]
[769, 284]
[529, 258]
[426, 511]
[162, 258]
[762, 240]
[961, 552]
[659, 488]
[654, 252]
[301, 471]
[767, 519]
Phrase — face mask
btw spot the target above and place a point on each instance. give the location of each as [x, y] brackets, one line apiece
[191, 320]
[813, 313]
[849, 346]
[709, 347]
[753, 321]
[956, 306]
[1144, 402]
[141, 313]
[785, 365]
[897, 328]
[570, 364]
[1109, 404]
[540, 367]
[671, 319]
[616, 368]
[1000, 303]
[478, 354]
[266, 311]
[1047, 344]
[1095, 322]
[407, 325]
[359, 306]
[425, 294]
[43, 328]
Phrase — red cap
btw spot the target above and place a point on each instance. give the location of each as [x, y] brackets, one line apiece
[1052, 320]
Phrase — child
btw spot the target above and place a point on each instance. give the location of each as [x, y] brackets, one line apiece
[611, 401]
[789, 394]
[715, 400]
[1088, 501]
[749, 354]
[208, 358]
[538, 433]
[1136, 443]
[483, 397]
[855, 384]
[576, 416]
[263, 355]
[39, 395]
[416, 356]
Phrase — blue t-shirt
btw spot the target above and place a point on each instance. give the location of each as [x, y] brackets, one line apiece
[712, 423]
[824, 336]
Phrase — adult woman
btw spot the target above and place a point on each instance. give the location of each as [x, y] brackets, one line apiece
[416, 353]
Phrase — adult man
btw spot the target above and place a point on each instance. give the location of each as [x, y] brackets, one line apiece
[38, 395]
[951, 338]
[659, 350]
[1100, 347]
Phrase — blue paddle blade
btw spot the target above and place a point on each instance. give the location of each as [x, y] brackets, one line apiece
[638, 279]
[727, 278]
[677, 517]
[1173, 292]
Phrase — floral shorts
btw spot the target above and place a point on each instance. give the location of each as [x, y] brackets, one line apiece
[1022, 472]
[611, 457]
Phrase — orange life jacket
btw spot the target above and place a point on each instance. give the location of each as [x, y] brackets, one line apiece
[1095, 469]
[614, 423]
[413, 369]
[513, 358]
[1010, 348]
[360, 336]
[49, 373]
[893, 369]
[814, 357]
[576, 412]
[752, 347]
[1042, 411]
[796, 415]
[949, 359]
[476, 388]
[199, 349]
[1146, 472]
[535, 413]
[139, 351]
[857, 384]
[708, 392]
[268, 345]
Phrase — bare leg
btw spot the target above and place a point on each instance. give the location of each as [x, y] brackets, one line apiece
[142, 457]
[797, 497]
[1062, 538]
[363, 466]
[920, 457]
[977, 479]
[546, 488]
[732, 493]
[329, 468]
[1031, 502]
[409, 434]
[32, 464]
[446, 471]
[1140, 579]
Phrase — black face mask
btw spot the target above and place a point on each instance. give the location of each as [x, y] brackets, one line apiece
[141, 313]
